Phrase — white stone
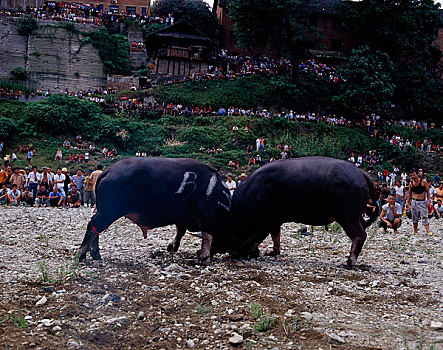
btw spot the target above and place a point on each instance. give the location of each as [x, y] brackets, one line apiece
[307, 316]
[335, 339]
[42, 301]
[436, 325]
[236, 339]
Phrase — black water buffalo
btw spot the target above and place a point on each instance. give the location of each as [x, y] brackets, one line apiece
[311, 190]
[155, 192]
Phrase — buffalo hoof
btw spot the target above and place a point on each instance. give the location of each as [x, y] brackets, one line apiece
[82, 258]
[205, 261]
[172, 248]
[254, 254]
[95, 254]
[273, 252]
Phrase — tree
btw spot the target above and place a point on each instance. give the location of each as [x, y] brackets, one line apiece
[196, 12]
[280, 25]
[405, 31]
[112, 49]
[369, 85]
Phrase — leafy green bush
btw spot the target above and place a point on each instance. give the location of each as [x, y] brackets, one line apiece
[27, 25]
[61, 115]
[19, 73]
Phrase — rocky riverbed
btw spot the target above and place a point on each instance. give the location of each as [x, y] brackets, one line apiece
[141, 297]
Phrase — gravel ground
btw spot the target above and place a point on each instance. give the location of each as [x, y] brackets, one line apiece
[139, 296]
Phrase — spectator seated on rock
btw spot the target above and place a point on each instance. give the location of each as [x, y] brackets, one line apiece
[14, 196]
[67, 144]
[4, 198]
[58, 155]
[390, 214]
[42, 197]
[74, 197]
[438, 209]
[56, 198]
[26, 197]
[251, 161]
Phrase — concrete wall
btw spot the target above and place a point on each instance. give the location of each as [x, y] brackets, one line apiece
[138, 58]
[55, 58]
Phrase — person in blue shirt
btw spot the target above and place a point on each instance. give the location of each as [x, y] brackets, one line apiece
[79, 181]
[56, 198]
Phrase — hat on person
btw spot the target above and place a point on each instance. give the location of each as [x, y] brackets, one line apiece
[91, 170]
[65, 169]
[22, 171]
[45, 167]
[243, 174]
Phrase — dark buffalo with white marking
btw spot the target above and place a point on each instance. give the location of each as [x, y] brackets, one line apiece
[312, 190]
[155, 192]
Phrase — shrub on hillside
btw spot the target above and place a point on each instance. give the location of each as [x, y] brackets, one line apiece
[19, 73]
[61, 115]
[27, 25]
[248, 92]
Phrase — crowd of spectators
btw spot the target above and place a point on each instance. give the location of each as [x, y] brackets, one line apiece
[31, 187]
[84, 13]
[321, 70]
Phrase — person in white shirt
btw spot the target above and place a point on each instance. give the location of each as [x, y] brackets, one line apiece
[392, 177]
[231, 185]
[399, 193]
[390, 215]
[404, 177]
[34, 180]
[59, 180]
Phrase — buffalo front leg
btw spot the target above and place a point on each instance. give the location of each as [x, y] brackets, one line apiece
[275, 235]
[205, 256]
[175, 244]
[90, 243]
[357, 235]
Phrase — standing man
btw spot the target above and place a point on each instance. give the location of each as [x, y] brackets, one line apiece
[418, 201]
[94, 176]
[231, 185]
[400, 193]
[59, 181]
[89, 193]
[3, 176]
[404, 177]
[34, 180]
[439, 192]
[242, 179]
[390, 214]
[79, 181]
[18, 179]
[93, 179]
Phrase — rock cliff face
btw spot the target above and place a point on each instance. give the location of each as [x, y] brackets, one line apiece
[54, 57]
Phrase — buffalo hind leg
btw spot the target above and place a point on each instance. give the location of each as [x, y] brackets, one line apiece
[175, 244]
[276, 249]
[96, 225]
[357, 234]
[205, 256]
